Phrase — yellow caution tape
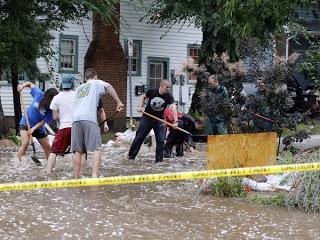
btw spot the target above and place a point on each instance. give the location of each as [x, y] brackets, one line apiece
[161, 177]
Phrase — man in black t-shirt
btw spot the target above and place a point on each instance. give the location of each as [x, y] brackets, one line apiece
[158, 100]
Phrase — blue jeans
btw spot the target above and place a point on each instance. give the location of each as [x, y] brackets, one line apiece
[261, 125]
[217, 128]
[145, 126]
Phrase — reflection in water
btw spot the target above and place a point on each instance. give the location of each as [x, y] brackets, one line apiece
[162, 210]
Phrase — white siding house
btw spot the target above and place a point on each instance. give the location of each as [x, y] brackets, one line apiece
[156, 58]
[77, 37]
[71, 45]
[7, 99]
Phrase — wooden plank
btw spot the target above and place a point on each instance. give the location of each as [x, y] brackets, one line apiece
[241, 150]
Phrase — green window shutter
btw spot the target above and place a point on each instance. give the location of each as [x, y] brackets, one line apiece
[73, 55]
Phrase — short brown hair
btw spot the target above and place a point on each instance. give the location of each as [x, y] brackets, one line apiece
[90, 73]
[164, 81]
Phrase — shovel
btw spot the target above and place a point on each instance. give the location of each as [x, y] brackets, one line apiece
[163, 121]
[34, 158]
[258, 115]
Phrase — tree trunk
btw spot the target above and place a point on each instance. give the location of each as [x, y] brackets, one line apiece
[195, 102]
[200, 84]
[4, 129]
[16, 97]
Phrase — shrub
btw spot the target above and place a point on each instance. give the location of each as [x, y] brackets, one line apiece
[228, 187]
[14, 139]
[310, 66]
[306, 193]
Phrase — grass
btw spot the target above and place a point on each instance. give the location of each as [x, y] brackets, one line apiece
[312, 128]
[306, 194]
[14, 139]
[107, 136]
[277, 199]
[285, 157]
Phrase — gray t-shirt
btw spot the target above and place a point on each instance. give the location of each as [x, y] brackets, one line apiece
[87, 99]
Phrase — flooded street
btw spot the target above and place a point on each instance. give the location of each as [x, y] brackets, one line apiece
[161, 210]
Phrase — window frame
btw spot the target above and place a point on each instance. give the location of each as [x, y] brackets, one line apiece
[162, 73]
[23, 77]
[75, 38]
[190, 46]
[166, 67]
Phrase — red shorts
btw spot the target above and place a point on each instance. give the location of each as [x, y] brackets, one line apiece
[61, 141]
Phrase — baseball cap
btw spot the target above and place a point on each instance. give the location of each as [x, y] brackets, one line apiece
[67, 81]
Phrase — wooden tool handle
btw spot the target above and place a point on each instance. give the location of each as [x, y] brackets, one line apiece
[26, 116]
[163, 121]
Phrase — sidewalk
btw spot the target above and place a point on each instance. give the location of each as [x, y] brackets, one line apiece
[312, 142]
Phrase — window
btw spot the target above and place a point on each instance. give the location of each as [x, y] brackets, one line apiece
[156, 74]
[23, 77]
[193, 52]
[68, 54]
[136, 58]
[158, 70]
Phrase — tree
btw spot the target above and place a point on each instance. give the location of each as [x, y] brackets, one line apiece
[25, 32]
[225, 24]
[310, 65]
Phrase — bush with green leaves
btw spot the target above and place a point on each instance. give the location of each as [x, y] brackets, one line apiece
[306, 192]
[310, 64]
[14, 139]
[228, 187]
[231, 80]
[276, 98]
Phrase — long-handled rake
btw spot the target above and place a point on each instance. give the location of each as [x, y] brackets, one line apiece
[34, 158]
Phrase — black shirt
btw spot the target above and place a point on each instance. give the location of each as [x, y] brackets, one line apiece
[157, 102]
[100, 104]
[186, 122]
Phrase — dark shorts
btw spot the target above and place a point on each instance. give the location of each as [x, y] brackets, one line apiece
[61, 141]
[38, 134]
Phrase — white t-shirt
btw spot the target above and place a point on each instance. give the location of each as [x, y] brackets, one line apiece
[64, 103]
[87, 99]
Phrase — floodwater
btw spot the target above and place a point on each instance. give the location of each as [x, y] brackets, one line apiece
[161, 210]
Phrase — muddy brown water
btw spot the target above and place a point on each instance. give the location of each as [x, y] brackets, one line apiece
[162, 210]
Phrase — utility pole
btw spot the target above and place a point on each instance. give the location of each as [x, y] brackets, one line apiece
[181, 83]
[130, 54]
